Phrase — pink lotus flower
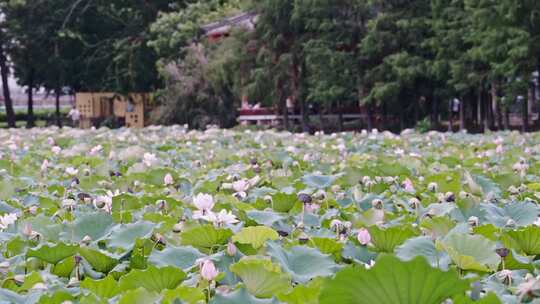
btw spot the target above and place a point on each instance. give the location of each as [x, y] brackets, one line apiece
[208, 270]
[56, 150]
[231, 249]
[168, 180]
[44, 165]
[364, 237]
[203, 201]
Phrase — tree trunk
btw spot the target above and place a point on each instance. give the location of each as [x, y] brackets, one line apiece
[340, 117]
[484, 102]
[434, 113]
[57, 105]
[479, 111]
[494, 106]
[369, 118]
[525, 115]
[8, 103]
[450, 117]
[462, 115]
[531, 100]
[506, 118]
[295, 85]
[30, 119]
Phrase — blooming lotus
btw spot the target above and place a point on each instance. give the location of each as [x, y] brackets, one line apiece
[203, 201]
[363, 236]
[95, 150]
[149, 159]
[7, 219]
[71, 171]
[56, 150]
[220, 219]
[104, 202]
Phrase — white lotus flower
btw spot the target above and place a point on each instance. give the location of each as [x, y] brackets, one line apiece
[7, 219]
[104, 202]
[95, 150]
[71, 171]
[168, 180]
[222, 218]
[240, 185]
[203, 201]
[149, 159]
[56, 150]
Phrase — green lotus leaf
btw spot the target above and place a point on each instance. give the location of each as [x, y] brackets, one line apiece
[420, 246]
[490, 298]
[471, 252]
[57, 297]
[318, 181]
[124, 236]
[386, 240]
[327, 245]
[392, 281]
[52, 253]
[181, 257]
[303, 263]
[184, 294]
[64, 267]
[303, 294]
[283, 202]
[261, 277]
[105, 288]
[95, 225]
[139, 296]
[265, 218]
[239, 296]
[152, 279]
[522, 214]
[98, 259]
[205, 236]
[525, 240]
[255, 236]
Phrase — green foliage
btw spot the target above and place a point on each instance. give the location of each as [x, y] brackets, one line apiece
[393, 281]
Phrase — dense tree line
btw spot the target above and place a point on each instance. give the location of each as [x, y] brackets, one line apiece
[405, 60]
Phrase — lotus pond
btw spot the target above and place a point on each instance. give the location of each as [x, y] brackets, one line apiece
[166, 215]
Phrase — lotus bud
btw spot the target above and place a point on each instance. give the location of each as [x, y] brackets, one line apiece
[231, 249]
[335, 188]
[377, 204]
[433, 187]
[336, 225]
[502, 252]
[449, 197]
[510, 223]
[33, 209]
[161, 204]
[364, 237]
[414, 202]
[86, 240]
[18, 278]
[208, 270]
[158, 238]
[178, 227]
[473, 221]
[304, 198]
[4, 267]
[73, 282]
[320, 195]
[303, 238]
[513, 190]
[168, 180]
